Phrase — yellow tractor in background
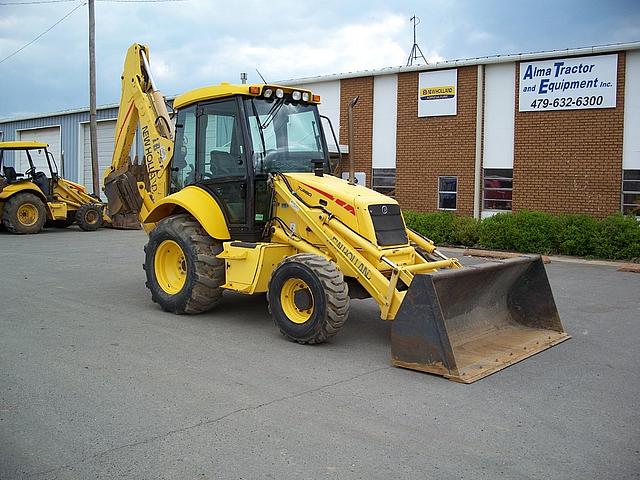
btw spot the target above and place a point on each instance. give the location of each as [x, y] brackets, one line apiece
[31, 200]
[236, 195]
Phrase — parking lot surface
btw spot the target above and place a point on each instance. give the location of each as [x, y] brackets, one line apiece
[97, 382]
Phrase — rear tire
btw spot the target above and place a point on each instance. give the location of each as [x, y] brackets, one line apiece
[89, 217]
[182, 270]
[24, 213]
[308, 298]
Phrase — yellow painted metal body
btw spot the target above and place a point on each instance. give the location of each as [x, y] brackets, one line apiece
[225, 90]
[66, 198]
[343, 232]
[22, 145]
[22, 186]
[195, 201]
[248, 268]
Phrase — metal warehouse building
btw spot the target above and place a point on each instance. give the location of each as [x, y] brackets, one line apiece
[553, 131]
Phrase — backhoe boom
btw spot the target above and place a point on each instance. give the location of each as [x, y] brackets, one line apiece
[132, 188]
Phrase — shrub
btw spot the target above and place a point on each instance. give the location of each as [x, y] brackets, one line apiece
[437, 226]
[615, 237]
[618, 238]
[496, 232]
[576, 235]
[466, 231]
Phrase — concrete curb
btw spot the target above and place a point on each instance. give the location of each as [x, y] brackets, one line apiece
[476, 252]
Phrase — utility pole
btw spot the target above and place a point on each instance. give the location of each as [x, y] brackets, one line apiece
[93, 115]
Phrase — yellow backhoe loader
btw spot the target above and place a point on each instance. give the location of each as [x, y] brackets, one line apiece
[236, 195]
[32, 199]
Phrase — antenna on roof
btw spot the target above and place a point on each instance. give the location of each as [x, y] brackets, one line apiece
[415, 53]
[263, 80]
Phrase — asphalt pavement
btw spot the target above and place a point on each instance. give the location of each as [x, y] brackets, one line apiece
[97, 382]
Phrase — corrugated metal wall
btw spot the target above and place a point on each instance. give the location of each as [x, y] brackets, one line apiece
[70, 125]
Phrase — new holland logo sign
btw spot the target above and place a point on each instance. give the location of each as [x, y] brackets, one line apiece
[437, 93]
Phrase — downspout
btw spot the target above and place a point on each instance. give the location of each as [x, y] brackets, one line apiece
[477, 175]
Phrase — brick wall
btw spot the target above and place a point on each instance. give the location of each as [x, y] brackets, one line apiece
[362, 120]
[571, 160]
[429, 147]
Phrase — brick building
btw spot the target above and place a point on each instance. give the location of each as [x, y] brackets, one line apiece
[552, 131]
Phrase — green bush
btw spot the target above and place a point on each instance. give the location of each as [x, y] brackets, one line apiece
[576, 235]
[496, 232]
[615, 237]
[436, 226]
[618, 238]
[466, 231]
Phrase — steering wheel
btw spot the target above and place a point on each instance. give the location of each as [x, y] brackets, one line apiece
[30, 172]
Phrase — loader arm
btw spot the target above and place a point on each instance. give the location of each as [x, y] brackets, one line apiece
[131, 187]
[344, 246]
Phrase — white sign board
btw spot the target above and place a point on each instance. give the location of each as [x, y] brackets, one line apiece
[568, 84]
[438, 93]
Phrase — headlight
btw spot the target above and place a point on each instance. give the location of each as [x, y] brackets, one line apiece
[279, 93]
[296, 96]
[267, 93]
[305, 96]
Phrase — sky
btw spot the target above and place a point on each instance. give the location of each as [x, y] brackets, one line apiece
[203, 42]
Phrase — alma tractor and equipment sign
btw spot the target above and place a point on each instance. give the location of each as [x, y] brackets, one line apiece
[568, 84]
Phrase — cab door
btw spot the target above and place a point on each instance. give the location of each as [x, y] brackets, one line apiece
[221, 160]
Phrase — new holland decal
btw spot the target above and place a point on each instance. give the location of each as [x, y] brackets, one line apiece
[437, 93]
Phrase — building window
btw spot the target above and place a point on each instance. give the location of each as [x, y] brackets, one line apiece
[384, 180]
[631, 192]
[447, 193]
[498, 187]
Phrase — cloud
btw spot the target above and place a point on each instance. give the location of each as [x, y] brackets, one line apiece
[203, 42]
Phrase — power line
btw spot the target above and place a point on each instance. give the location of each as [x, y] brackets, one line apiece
[43, 33]
[35, 2]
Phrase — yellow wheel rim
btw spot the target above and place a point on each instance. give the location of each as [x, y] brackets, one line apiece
[91, 217]
[170, 267]
[296, 300]
[27, 214]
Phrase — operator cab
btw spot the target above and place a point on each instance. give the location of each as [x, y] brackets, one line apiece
[225, 145]
[35, 155]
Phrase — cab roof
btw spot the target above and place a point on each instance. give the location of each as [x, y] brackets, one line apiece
[22, 145]
[227, 90]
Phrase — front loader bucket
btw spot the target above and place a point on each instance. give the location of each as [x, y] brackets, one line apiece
[468, 323]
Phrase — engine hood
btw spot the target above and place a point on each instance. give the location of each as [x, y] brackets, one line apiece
[350, 203]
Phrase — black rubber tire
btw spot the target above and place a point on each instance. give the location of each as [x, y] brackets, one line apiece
[89, 217]
[330, 298]
[10, 213]
[205, 273]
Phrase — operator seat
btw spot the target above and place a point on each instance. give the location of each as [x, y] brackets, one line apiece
[10, 174]
[44, 183]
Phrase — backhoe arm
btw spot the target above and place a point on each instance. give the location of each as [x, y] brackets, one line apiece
[133, 188]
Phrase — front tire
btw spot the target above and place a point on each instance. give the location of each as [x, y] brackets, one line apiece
[24, 213]
[89, 217]
[182, 270]
[308, 298]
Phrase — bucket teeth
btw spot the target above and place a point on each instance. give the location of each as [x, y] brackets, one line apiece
[465, 324]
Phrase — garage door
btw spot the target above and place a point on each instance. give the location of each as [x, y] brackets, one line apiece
[50, 135]
[105, 135]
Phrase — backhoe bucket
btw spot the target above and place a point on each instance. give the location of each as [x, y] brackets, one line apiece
[468, 323]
